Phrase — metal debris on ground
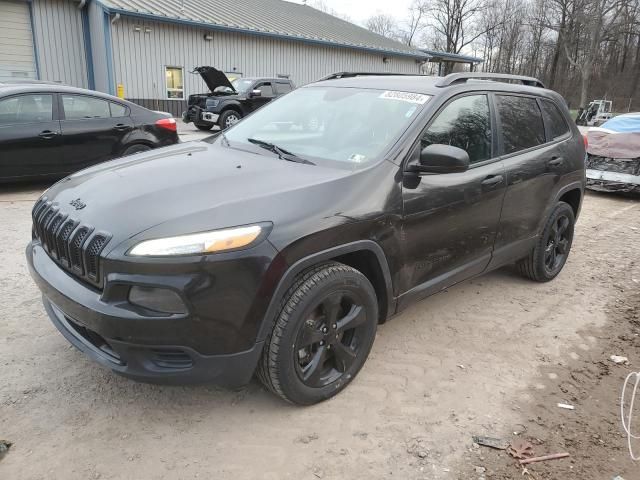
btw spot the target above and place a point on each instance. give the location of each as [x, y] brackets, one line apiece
[5, 445]
[520, 449]
[544, 458]
[618, 359]
[497, 443]
[566, 406]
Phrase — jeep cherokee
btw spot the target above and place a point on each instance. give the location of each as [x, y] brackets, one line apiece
[277, 248]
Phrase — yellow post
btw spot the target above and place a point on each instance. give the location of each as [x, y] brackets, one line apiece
[120, 91]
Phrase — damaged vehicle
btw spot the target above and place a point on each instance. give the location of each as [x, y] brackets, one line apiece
[613, 155]
[229, 101]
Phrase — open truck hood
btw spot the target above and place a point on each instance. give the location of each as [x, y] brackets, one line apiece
[214, 78]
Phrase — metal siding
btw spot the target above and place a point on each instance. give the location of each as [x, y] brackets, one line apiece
[140, 58]
[17, 56]
[60, 42]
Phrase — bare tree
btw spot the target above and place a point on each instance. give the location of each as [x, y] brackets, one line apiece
[384, 25]
[415, 22]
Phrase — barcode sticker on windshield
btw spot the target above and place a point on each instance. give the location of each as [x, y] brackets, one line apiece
[405, 97]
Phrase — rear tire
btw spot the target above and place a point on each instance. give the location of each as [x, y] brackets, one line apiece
[548, 257]
[322, 336]
[138, 148]
[203, 127]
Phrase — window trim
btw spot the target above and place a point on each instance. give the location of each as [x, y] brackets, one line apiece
[63, 114]
[54, 107]
[544, 123]
[495, 157]
[166, 87]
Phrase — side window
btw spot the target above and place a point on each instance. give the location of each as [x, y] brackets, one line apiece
[78, 107]
[265, 88]
[522, 125]
[283, 88]
[554, 119]
[118, 110]
[464, 123]
[26, 109]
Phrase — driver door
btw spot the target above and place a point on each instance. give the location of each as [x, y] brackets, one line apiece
[266, 95]
[451, 220]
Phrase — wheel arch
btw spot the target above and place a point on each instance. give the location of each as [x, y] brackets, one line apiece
[572, 193]
[233, 105]
[365, 256]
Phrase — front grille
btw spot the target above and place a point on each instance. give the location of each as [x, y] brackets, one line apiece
[74, 246]
[630, 166]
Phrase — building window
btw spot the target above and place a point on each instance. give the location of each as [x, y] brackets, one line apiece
[175, 84]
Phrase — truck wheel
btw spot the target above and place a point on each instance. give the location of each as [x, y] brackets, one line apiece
[322, 336]
[550, 254]
[203, 126]
[228, 118]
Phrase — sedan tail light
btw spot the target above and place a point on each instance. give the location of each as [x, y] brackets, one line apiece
[168, 124]
[586, 141]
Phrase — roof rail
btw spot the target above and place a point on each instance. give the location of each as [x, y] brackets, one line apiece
[455, 78]
[337, 75]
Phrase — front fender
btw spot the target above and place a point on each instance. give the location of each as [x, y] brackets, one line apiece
[287, 279]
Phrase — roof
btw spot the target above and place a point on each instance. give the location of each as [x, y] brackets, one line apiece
[451, 57]
[264, 17]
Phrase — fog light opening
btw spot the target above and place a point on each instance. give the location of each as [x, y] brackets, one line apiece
[156, 299]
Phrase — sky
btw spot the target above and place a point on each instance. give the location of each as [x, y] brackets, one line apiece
[360, 10]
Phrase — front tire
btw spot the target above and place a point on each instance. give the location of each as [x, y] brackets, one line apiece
[228, 118]
[322, 336]
[552, 249]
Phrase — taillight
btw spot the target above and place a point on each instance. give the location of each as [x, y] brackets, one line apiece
[168, 124]
[586, 142]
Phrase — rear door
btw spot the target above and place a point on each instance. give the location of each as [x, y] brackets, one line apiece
[93, 129]
[30, 140]
[534, 162]
[451, 220]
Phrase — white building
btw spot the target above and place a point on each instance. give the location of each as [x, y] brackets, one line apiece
[149, 47]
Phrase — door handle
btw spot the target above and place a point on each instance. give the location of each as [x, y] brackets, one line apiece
[121, 127]
[47, 134]
[555, 162]
[492, 180]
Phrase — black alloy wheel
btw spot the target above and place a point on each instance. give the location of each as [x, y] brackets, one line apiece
[330, 339]
[322, 335]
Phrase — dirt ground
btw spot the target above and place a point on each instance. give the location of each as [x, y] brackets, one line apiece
[492, 356]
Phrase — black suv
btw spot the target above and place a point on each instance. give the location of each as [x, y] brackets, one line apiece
[279, 247]
[229, 101]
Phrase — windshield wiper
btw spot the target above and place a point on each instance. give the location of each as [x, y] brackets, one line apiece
[281, 152]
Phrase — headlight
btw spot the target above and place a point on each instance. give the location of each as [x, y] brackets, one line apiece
[212, 103]
[199, 243]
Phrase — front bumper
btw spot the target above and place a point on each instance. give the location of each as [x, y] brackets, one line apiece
[159, 348]
[612, 181]
[196, 114]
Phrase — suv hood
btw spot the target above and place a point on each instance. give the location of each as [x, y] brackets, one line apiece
[214, 78]
[190, 188]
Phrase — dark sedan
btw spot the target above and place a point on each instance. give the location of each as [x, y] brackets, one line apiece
[51, 130]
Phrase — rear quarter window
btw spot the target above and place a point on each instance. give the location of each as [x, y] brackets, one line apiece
[521, 121]
[556, 124]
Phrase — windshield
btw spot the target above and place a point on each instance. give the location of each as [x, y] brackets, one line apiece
[347, 125]
[241, 85]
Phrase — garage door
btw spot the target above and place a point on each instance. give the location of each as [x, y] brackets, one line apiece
[16, 42]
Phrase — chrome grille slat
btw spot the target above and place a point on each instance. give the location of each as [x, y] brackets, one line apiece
[74, 246]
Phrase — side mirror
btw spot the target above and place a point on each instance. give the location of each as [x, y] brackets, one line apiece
[256, 93]
[439, 158]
